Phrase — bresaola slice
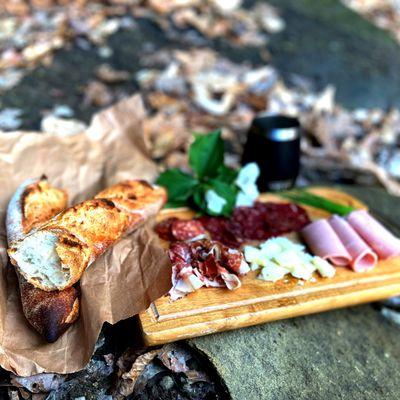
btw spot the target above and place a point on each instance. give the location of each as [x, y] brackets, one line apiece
[383, 242]
[362, 256]
[324, 242]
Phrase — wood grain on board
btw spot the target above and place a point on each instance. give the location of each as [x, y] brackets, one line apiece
[210, 310]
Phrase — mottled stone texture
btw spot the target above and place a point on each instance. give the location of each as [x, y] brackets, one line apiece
[328, 42]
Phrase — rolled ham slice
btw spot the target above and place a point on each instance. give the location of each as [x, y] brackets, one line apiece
[363, 258]
[324, 242]
[384, 243]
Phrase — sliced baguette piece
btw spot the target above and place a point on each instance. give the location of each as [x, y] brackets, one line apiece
[56, 254]
[33, 204]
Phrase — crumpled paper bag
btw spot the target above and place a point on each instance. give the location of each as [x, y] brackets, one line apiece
[122, 282]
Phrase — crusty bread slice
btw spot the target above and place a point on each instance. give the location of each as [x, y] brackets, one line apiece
[55, 255]
[135, 197]
[34, 203]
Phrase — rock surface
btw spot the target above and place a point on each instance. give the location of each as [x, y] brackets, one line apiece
[327, 42]
[343, 354]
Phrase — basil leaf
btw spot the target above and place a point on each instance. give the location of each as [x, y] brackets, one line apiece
[199, 197]
[206, 154]
[179, 185]
[228, 192]
[175, 204]
[226, 174]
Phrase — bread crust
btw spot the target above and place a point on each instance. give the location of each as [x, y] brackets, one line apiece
[34, 203]
[50, 313]
[86, 230]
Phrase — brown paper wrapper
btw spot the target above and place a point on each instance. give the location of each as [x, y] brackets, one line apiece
[122, 282]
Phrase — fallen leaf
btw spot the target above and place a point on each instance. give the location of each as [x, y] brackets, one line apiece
[38, 383]
[166, 6]
[97, 94]
[108, 74]
[62, 127]
[165, 132]
[128, 380]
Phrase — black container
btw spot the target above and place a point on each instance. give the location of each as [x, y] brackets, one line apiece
[273, 142]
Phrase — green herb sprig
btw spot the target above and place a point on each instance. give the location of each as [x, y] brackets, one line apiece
[310, 199]
[206, 159]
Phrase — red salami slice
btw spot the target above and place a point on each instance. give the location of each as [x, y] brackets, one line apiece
[163, 228]
[186, 229]
[259, 222]
[266, 220]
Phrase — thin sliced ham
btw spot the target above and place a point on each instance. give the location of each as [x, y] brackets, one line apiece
[324, 242]
[384, 243]
[363, 258]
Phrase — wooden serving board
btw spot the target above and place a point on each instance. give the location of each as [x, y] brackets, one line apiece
[210, 310]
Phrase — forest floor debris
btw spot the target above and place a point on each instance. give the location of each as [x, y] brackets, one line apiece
[199, 90]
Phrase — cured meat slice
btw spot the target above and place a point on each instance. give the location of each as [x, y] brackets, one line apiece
[231, 281]
[184, 279]
[234, 261]
[179, 229]
[383, 242]
[204, 263]
[186, 229]
[164, 228]
[259, 222]
[363, 257]
[180, 253]
[221, 230]
[324, 242]
[265, 220]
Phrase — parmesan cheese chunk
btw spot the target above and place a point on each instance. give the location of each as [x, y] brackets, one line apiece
[273, 273]
[324, 268]
[279, 256]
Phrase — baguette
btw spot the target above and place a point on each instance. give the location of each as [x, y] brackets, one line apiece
[50, 313]
[56, 254]
[34, 203]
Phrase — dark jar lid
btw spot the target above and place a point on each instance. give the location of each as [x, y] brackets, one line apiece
[273, 142]
[277, 128]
